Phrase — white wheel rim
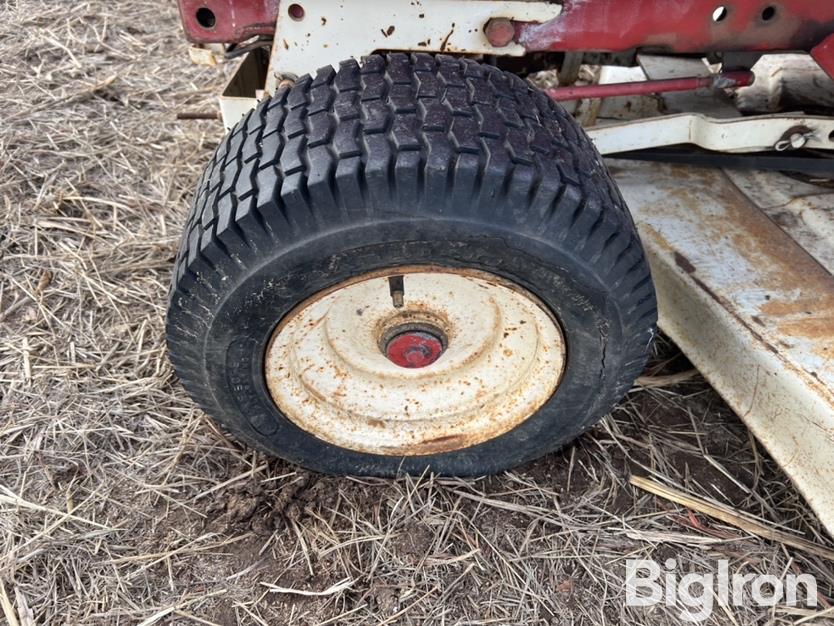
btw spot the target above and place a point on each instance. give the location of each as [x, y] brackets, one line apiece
[327, 372]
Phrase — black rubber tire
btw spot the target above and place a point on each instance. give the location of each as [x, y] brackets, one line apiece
[406, 160]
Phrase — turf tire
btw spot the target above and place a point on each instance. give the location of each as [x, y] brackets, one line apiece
[406, 160]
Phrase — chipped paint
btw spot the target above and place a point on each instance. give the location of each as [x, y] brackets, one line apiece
[356, 29]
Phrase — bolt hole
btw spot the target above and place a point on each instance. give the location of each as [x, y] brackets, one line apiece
[296, 12]
[719, 14]
[831, 136]
[206, 18]
[768, 14]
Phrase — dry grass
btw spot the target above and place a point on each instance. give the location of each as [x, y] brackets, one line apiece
[120, 503]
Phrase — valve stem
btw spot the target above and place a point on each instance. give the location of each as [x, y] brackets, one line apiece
[396, 286]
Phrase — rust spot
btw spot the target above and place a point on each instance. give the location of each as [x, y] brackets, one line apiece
[439, 444]
[446, 38]
[684, 263]
[443, 439]
[792, 282]
[323, 20]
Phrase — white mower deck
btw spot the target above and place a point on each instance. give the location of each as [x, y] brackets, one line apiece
[743, 265]
[751, 308]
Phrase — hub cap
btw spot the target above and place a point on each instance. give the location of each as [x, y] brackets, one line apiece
[452, 359]
[414, 348]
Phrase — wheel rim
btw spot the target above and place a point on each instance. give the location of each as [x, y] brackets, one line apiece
[415, 361]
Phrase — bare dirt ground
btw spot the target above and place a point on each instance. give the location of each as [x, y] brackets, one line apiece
[121, 503]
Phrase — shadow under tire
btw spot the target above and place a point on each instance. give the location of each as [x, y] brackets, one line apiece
[401, 165]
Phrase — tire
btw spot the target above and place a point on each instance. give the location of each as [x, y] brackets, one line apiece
[406, 161]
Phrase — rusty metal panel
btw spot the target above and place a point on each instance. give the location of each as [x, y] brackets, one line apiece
[329, 32]
[749, 307]
[800, 208]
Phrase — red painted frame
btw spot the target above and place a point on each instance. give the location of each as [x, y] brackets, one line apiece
[234, 20]
[683, 26]
[676, 26]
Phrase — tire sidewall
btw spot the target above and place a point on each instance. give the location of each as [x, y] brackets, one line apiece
[237, 337]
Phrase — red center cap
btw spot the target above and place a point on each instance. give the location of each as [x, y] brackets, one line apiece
[414, 349]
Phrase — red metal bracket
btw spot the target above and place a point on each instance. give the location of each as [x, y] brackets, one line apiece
[227, 21]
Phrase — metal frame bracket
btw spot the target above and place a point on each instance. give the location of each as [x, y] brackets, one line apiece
[326, 32]
[747, 134]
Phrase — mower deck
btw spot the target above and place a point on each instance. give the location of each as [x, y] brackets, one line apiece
[748, 305]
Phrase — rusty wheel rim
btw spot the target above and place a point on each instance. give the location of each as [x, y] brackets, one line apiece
[415, 361]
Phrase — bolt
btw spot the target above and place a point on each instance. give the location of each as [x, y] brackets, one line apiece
[797, 140]
[794, 138]
[499, 31]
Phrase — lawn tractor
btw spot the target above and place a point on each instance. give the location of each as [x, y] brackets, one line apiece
[408, 255]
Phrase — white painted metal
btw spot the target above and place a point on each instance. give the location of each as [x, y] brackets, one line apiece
[750, 308]
[234, 108]
[748, 134]
[242, 92]
[786, 82]
[744, 299]
[710, 120]
[326, 370]
[210, 55]
[624, 108]
[331, 32]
